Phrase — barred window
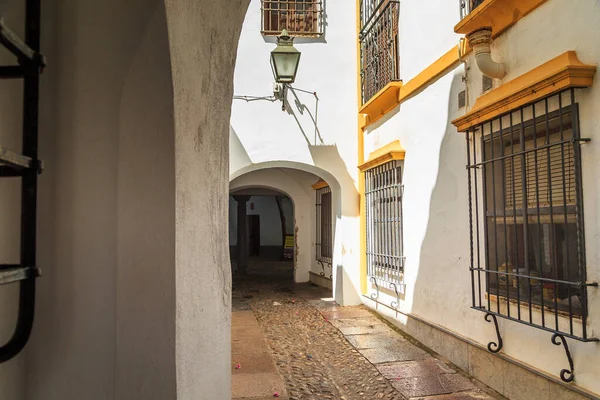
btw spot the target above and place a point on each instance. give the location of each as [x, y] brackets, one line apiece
[299, 17]
[324, 225]
[378, 45]
[530, 249]
[383, 192]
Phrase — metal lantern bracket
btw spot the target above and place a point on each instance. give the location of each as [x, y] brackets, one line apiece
[26, 166]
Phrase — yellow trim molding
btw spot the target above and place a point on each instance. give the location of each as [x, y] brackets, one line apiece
[320, 185]
[397, 92]
[361, 121]
[383, 102]
[497, 14]
[438, 68]
[562, 72]
[389, 152]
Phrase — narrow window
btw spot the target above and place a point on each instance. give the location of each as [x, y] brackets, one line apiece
[378, 45]
[299, 17]
[383, 192]
[324, 226]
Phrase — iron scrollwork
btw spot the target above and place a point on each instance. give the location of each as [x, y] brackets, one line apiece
[567, 375]
[494, 347]
[397, 302]
[375, 295]
[329, 265]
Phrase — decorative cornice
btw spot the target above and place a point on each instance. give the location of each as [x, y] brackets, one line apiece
[389, 152]
[562, 72]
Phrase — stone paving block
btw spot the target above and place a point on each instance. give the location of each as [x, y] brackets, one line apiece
[347, 312]
[475, 395]
[249, 347]
[256, 385]
[488, 368]
[324, 305]
[369, 321]
[521, 384]
[366, 330]
[243, 318]
[403, 352]
[252, 363]
[246, 333]
[420, 386]
[412, 369]
[375, 340]
[433, 385]
[560, 392]
[456, 382]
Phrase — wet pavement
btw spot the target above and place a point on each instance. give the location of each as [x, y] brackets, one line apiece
[293, 342]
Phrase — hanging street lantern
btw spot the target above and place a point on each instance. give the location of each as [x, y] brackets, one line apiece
[285, 59]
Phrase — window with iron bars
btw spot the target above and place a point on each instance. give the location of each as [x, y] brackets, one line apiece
[324, 243]
[383, 193]
[526, 212]
[467, 6]
[299, 17]
[378, 37]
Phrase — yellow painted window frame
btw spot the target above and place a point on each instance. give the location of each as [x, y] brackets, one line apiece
[320, 185]
[560, 73]
[390, 152]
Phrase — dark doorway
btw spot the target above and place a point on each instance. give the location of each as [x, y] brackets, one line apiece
[253, 235]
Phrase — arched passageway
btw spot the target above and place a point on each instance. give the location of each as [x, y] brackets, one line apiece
[261, 233]
[313, 230]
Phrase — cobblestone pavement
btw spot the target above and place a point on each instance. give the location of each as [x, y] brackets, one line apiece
[324, 351]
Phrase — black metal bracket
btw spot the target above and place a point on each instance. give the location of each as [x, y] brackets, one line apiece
[567, 375]
[375, 295]
[322, 273]
[396, 303]
[494, 347]
[27, 167]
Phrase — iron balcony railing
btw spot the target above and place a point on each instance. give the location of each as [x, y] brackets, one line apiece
[299, 17]
[467, 6]
[378, 37]
[526, 216]
[383, 195]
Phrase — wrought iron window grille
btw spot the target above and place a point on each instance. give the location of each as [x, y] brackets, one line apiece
[26, 166]
[467, 6]
[526, 220]
[324, 234]
[379, 57]
[385, 248]
[299, 17]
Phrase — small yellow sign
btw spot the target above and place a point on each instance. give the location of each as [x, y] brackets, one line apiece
[289, 242]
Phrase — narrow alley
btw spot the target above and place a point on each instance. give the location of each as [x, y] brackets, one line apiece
[293, 342]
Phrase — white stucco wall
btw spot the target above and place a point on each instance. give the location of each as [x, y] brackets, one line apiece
[263, 136]
[134, 301]
[436, 223]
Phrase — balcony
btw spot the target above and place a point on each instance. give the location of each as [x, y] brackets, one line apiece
[466, 6]
[378, 46]
[497, 14]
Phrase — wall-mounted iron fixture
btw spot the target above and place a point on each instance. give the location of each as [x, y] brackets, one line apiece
[25, 166]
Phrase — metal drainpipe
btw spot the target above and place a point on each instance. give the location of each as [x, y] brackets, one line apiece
[480, 41]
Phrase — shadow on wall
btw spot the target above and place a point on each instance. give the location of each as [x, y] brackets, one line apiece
[442, 281]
